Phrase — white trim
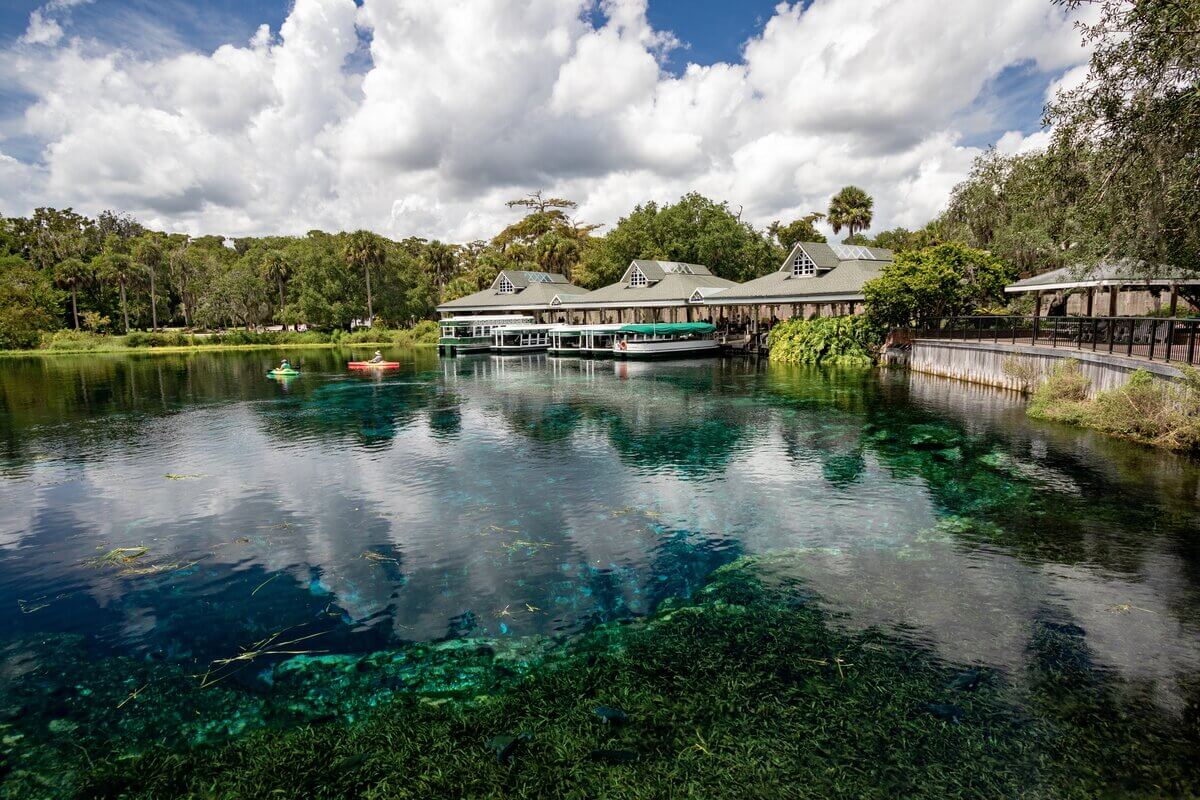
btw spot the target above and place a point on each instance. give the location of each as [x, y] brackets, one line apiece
[1106, 283]
[635, 273]
[504, 285]
[803, 261]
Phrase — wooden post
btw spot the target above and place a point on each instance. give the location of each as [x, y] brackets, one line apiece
[1174, 301]
[1037, 305]
[1091, 295]
[1112, 301]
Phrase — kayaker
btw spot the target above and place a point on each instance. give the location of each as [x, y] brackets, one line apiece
[284, 365]
[377, 358]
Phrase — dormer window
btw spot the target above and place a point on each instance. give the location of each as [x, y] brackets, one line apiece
[803, 266]
[505, 286]
[637, 278]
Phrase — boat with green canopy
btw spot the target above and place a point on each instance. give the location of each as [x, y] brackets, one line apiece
[665, 339]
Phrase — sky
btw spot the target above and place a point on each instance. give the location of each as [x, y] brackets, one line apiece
[422, 117]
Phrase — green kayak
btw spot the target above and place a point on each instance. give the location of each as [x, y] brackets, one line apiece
[283, 373]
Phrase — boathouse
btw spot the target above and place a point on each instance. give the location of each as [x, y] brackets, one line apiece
[816, 279]
[516, 292]
[649, 291]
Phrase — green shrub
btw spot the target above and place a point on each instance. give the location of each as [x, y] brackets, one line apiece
[838, 341]
[369, 335]
[426, 332]
[75, 340]
[136, 339]
[1147, 409]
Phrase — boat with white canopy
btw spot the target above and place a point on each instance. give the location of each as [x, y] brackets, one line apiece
[675, 339]
[522, 338]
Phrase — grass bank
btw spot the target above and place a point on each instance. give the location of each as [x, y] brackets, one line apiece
[67, 342]
[749, 691]
[1145, 409]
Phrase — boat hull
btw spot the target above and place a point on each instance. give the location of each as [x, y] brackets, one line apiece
[665, 349]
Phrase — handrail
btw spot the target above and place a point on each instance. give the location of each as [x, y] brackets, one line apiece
[1166, 339]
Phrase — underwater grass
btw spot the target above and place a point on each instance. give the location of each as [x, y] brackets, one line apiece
[747, 692]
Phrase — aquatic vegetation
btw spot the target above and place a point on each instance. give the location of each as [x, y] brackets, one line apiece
[743, 688]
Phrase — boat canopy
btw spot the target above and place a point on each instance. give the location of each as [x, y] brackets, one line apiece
[670, 328]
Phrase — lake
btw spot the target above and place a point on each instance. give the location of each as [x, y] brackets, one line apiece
[186, 544]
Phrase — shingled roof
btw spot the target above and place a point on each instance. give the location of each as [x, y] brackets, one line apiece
[529, 291]
[667, 283]
[1103, 276]
[839, 274]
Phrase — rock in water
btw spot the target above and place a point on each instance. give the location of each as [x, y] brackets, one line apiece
[611, 716]
[946, 711]
[619, 756]
[967, 680]
[505, 745]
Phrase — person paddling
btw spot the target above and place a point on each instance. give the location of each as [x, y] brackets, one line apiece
[284, 365]
[377, 358]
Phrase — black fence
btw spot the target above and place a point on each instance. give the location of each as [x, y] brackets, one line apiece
[1165, 339]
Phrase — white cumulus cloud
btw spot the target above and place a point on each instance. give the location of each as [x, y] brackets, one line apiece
[422, 118]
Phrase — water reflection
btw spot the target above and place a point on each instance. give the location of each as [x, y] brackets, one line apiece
[524, 496]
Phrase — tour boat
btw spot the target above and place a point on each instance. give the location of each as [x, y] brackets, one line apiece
[597, 340]
[473, 334]
[674, 339]
[520, 338]
[582, 340]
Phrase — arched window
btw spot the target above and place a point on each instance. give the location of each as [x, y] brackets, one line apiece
[803, 266]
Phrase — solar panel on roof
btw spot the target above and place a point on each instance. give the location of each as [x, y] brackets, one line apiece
[846, 252]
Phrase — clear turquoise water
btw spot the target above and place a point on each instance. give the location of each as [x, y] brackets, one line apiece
[526, 497]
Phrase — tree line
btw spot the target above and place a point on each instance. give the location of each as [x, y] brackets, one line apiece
[110, 274]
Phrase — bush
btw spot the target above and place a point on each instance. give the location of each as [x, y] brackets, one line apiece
[1147, 409]
[426, 332]
[136, 339]
[74, 340]
[839, 341]
[1025, 372]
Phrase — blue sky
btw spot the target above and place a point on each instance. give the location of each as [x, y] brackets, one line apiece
[411, 117]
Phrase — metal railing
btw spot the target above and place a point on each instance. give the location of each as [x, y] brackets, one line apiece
[1167, 339]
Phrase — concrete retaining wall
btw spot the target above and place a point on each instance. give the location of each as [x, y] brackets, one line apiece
[983, 362]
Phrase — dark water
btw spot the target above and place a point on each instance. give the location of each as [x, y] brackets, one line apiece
[511, 497]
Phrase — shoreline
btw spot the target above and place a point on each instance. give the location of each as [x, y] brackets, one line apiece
[202, 348]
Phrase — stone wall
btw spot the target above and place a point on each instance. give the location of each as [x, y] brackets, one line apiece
[985, 362]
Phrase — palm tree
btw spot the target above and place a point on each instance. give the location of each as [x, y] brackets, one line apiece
[116, 267]
[851, 209]
[276, 269]
[148, 255]
[68, 274]
[363, 250]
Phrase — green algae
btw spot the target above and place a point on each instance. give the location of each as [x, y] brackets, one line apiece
[750, 689]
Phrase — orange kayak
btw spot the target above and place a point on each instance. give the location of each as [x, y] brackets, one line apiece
[373, 364]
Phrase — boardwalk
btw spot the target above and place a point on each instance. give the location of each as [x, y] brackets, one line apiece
[1167, 340]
